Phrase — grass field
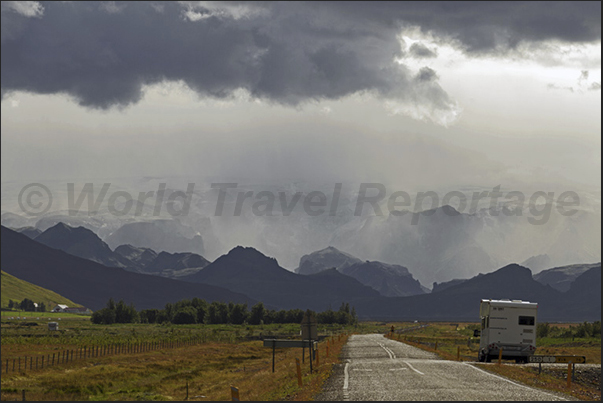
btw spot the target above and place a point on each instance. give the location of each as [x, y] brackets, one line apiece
[206, 369]
[16, 289]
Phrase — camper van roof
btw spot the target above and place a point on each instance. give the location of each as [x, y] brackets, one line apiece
[516, 303]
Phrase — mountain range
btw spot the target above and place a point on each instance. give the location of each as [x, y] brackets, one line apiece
[263, 279]
[388, 279]
[571, 293]
[92, 284]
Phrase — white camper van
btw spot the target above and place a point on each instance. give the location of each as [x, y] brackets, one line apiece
[510, 326]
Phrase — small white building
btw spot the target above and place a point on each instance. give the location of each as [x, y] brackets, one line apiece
[59, 308]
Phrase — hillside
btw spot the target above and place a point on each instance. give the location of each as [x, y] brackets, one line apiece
[461, 301]
[252, 273]
[17, 290]
[91, 283]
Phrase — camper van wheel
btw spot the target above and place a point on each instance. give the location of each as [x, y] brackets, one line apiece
[519, 360]
[488, 358]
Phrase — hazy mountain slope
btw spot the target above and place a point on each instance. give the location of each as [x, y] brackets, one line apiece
[157, 235]
[561, 278]
[30, 232]
[389, 280]
[83, 243]
[324, 259]
[91, 283]
[584, 296]
[537, 263]
[139, 256]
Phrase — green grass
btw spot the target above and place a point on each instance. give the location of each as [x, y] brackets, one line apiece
[17, 290]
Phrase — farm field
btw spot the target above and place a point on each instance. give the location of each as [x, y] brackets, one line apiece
[159, 362]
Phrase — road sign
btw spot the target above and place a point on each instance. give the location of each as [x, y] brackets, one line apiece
[557, 359]
[309, 328]
[565, 359]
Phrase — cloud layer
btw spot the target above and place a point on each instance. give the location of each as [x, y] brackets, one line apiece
[103, 54]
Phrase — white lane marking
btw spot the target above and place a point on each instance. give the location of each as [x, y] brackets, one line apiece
[413, 368]
[346, 378]
[393, 355]
[387, 351]
[398, 369]
[362, 369]
[346, 381]
[513, 383]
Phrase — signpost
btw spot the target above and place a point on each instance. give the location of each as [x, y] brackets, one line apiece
[309, 328]
[557, 359]
[570, 360]
[309, 332]
[274, 343]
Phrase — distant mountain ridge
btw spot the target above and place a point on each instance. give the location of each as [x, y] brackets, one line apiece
[562, 278]
[461, 301]
[263, 279]
[157, 235]
[388, 279]
[324, 259]
[82, 242]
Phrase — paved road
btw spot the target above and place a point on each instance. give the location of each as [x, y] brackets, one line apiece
[376, 368]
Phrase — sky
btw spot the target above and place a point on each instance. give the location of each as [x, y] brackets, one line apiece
[416, 94]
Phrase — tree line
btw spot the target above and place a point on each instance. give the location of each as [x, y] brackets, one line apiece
[199, 311]
[26, 305]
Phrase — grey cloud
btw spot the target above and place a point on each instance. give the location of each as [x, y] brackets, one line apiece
[25, 8]
[103, 54]
[418, 50]
[488, 27]
[552, 86]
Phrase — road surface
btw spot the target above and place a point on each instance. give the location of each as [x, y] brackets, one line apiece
[376, 368]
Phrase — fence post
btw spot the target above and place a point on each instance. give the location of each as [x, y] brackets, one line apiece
[569, 374]
[500, 352]
[234, 394]
[299, 376]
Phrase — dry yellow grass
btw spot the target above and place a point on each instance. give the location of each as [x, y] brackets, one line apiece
[208, 369]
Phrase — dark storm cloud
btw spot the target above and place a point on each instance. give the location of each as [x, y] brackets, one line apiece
[418, 50]
[103, 54]
[488, 26]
